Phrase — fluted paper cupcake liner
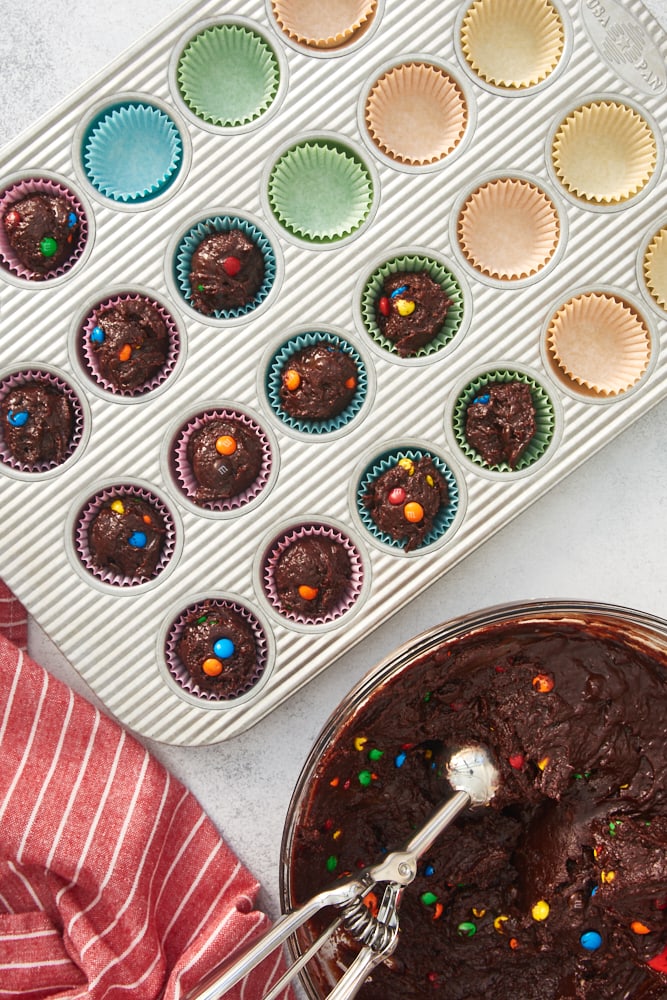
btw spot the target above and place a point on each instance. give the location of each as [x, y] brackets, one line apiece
[322, 25]
[25, 188]
[604, 152]
[104, 498]
[39, 376]
[320, 191]
[655, 267]
[228, 75]
[545, 419]
[274, 381]
[600, 342]
[426, 96]
[508, 229]
[413, 263]
[152, 154]
[287, 539]
[512, 44]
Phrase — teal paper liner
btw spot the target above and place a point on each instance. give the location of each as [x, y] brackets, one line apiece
[223, 224]
[274, 379]
[388, 460]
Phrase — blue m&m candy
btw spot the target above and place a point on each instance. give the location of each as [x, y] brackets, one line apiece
[138, 540]
[18, 418]
[97, 335]
[223, 648]
[590, 940]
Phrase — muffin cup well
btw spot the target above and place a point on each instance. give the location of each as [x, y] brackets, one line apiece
[654, 267]
[320, 25]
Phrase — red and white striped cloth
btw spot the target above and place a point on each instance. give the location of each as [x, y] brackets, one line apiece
[113, 881]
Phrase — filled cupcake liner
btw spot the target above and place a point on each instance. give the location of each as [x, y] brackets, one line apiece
[655, 267]
[508, 229]
[189, 242]
[152, 152]
[598, 341]
[512, 44]
[182, 472]
[180, 674]
[545, 419]
[103, 498]
[288, 538]
[87, 354]
[24, 188]
[274, 381]
[48, 378]
[320, 191]
[427, 96]
[445, 517]
[604, 152]
[228, 75]
[413, 263]
[322, 25]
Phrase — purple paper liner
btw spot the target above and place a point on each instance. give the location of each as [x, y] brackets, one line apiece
[37, 375]
[40, 185]
[101, 499]
[288, 538]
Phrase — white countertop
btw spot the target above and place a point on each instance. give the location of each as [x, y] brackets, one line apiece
[599, 535]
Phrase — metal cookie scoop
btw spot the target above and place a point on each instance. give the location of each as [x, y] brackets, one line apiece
[475, 779]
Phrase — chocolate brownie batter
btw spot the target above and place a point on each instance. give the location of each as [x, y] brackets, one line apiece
[127, 537]
[43, 232]
[406, 499]
[500, 422]
[318, 383]
[312, 576]
[411, 310]
[37, 425]
[227, 272]
[558, 889]
[225, 457]
[129, 343]
[218, 648]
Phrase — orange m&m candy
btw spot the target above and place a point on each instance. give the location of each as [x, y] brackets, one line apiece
[414, 512]
[225, 445]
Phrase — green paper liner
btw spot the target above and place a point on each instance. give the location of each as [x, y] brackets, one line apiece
[545, 419]
[228, 75]
[413, 263]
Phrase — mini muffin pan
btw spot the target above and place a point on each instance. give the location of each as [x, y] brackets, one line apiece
[350, 144]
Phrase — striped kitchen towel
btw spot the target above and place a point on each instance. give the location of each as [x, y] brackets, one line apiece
[113, 881]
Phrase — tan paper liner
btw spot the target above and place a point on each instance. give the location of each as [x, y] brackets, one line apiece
[604, 152]
[508, 229]
[600, 342]
[655, 267]
[322, 25]
[512, 43]
[416, 113]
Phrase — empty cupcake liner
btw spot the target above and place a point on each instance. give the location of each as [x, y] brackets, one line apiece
[508, 229]
[413, 263]
[512, 44]
[190, 240]
[416, 113]
[152, 152]
[104, 497]
[600, 342]
[445, 518]
[320, 191]
[604, 152]
[181, 471]
[228, 75]
[286, 539]
[48, 378]
[24, 188]
[274, 376]
[178, 673]
[545, 419]
[87, 356]
[322, 25]
[655, 267]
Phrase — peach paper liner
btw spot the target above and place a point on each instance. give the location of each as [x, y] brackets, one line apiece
[432, 102]
[508, 229]
[512, 44]
[32, 375]
[604, 152]
[600, 342]
[322, 25]
[655, 267]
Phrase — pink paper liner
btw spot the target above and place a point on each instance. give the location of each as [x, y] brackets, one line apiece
[89, 360]
[93, 505]
[23, 189]
[181, 674]
[287, 539]
[183, 472]
[36, 375]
